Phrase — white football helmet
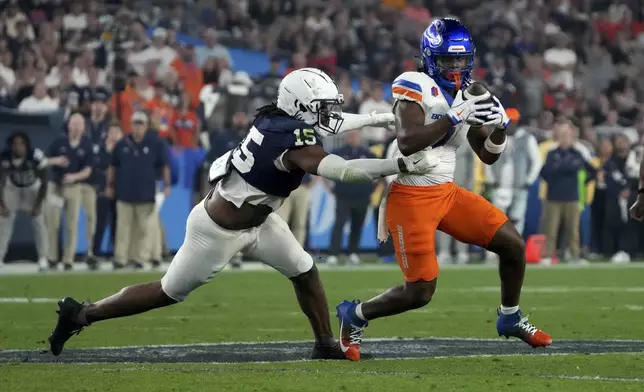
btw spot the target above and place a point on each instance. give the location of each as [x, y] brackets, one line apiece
[312, 97]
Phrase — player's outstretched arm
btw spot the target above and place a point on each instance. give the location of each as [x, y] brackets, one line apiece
[357, 121]
[412, 133]
[315, 160]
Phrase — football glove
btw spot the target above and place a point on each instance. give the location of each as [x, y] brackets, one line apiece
[499, 118]
[473, 111]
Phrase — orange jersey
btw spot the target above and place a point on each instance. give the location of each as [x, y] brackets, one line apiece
[192, 77]
[186, 128]
[130, 101]
[162, 112]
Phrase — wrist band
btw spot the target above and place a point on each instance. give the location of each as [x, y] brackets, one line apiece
[494, 148]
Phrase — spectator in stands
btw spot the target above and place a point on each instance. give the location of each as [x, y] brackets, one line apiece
[515, 171]
[105, 207]
[562, 61]
[98, 120]
[188, 71]
[185, 125]
[159, 51]
[598, 206]
[295, 210]
[352, 202]
[125, 103]
[131, 180]
[161, 112]
[212, 49]
[65, 187]
[621, 178]
[38, 102]
[560, 171]
[375, 103]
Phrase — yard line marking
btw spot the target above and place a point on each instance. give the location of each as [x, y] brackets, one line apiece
[538, 289]
[25, 300]
[591, 378]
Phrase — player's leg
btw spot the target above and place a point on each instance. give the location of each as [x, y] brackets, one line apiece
[72, 195]
[276, 246]
[494, 232]
[53, 209]
[413, 214]
[88, 200]
[11, 198]
[124, 224]
[206, 250]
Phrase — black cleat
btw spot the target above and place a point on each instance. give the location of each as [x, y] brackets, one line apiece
[92, 263]
[155, 263]
[68, 267]
[117, 266]
[67, 324]
[52, 264]
[334, 352]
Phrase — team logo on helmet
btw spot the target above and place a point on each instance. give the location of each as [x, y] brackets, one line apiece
[434, 33]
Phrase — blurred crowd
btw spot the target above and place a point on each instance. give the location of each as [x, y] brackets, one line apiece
[565, 67]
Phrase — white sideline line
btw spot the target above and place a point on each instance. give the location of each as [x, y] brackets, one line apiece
[25, 300]
[29, 268]
[591, 378]
[375, 340]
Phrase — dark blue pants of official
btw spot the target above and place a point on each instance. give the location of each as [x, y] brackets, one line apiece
[105, 216]
[618, 234]
[354, 210]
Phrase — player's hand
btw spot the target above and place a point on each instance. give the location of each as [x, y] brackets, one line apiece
[382, 119]
[69, 178]
[473, 111]
[637, 209]
[499, 118]
[422, 162]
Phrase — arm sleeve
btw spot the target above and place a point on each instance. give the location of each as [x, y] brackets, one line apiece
[337, 168]
[355, 121]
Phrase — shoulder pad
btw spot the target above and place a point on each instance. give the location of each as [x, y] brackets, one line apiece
[410, 86]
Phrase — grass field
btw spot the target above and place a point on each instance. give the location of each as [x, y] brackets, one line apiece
[572, 304]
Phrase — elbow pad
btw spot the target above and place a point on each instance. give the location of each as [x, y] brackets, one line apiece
[337, 168]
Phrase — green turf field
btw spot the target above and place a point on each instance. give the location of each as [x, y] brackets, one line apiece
[583, 303]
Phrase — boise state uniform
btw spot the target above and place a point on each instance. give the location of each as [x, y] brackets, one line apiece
[20, 194]
[253, 173]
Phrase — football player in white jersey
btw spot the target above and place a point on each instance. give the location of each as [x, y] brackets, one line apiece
[434, 112]
[248, 184]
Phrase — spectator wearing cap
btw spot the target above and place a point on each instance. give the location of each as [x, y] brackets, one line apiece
[517, 168]
[98, 119]
[188, 71]
[94, 88]
[212, 49]
[161, 112]
[561, 172]
[352, 202]
[105, 207]
[131, 181]
[159, 51]
[65, 187]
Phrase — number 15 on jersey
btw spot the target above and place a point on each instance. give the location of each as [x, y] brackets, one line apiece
[304, 136]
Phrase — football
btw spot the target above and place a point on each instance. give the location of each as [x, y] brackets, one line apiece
[475, 89]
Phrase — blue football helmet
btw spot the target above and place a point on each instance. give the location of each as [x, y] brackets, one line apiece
[447, 51]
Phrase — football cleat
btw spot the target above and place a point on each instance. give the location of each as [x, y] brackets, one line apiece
[514, 325]
[333, 352]
[67, 325]
[351, 329]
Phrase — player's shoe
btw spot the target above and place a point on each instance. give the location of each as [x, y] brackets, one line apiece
[322, 351]
[67, 325]
[351, 329]
[515, 325]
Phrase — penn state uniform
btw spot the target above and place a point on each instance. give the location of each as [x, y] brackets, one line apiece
[20, 194]
[254, 173]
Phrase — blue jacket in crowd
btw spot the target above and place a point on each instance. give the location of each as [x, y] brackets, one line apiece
[561, 172]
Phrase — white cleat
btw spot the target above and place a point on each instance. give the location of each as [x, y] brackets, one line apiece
[332, 260]
[354, 259]
[462, 258]
[445, 258]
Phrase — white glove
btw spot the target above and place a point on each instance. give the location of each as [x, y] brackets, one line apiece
[381, 119]
[422, 162]
[472, 111]
[499, 118]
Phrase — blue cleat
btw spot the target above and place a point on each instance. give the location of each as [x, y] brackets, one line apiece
[514, 325]
[351, 329]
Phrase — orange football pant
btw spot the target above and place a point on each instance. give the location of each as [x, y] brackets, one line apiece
[414, 213]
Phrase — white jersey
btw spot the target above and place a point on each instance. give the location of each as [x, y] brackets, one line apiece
[420, 88]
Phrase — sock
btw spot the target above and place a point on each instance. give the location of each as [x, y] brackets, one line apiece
[509, 309]
[359, 312]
